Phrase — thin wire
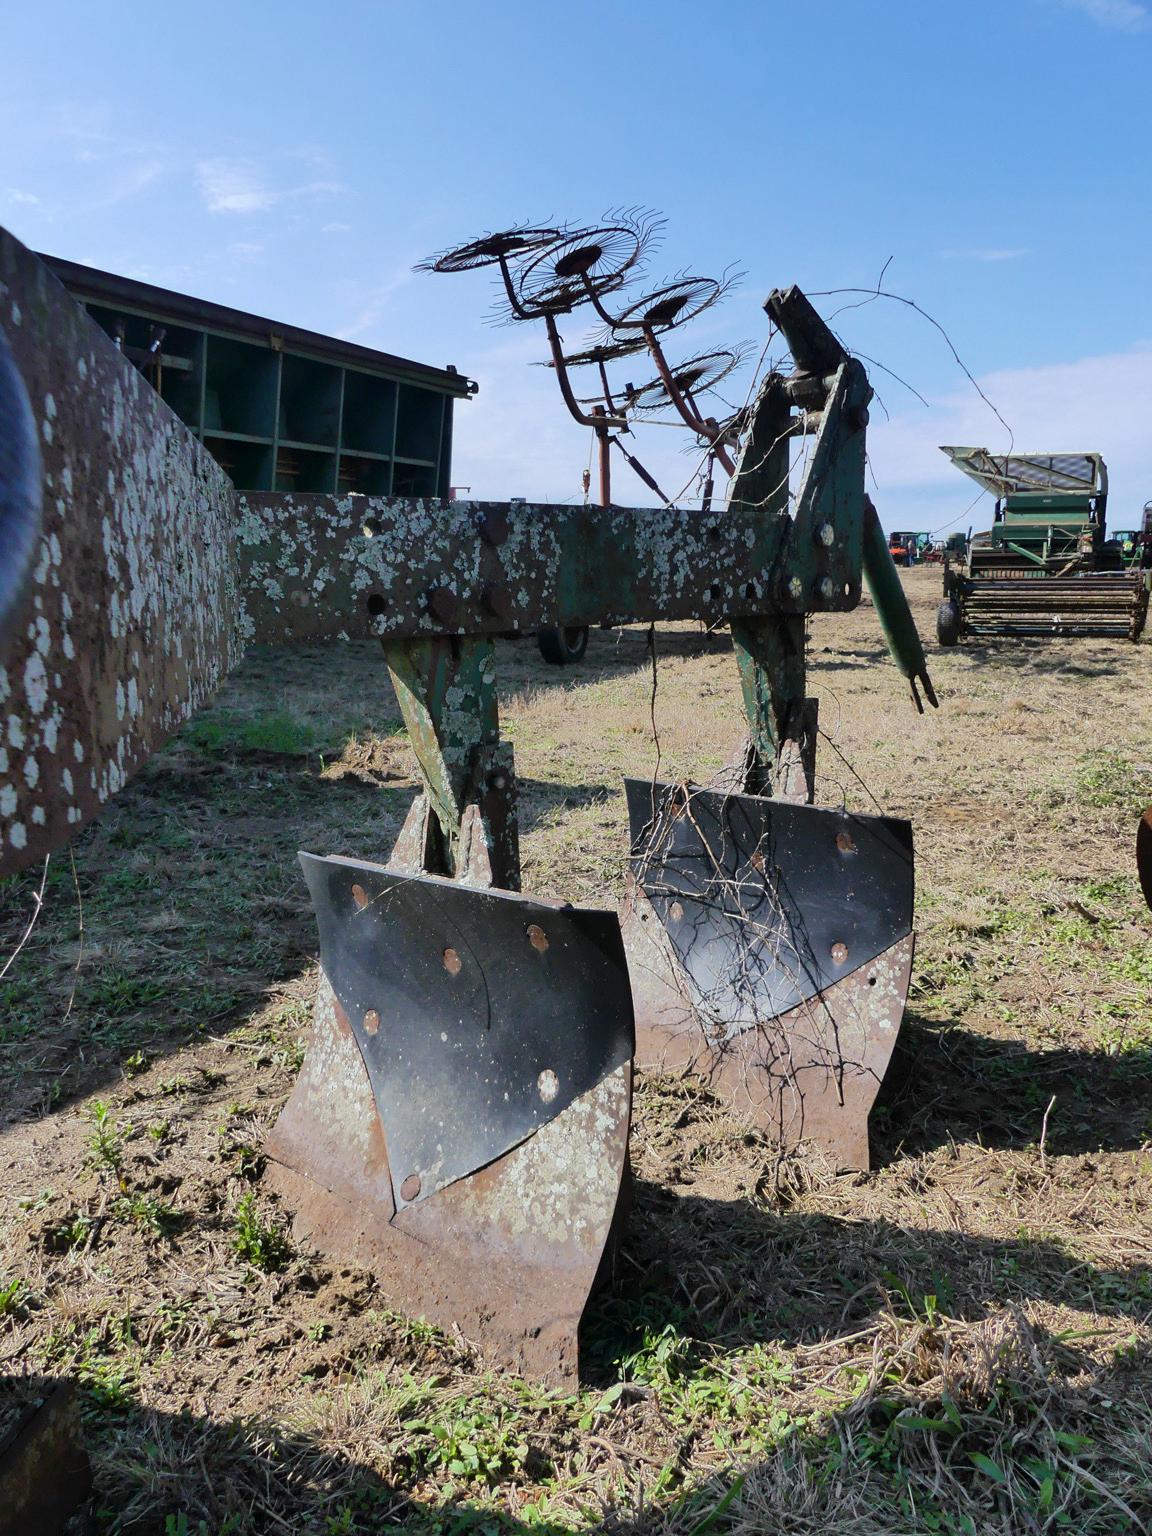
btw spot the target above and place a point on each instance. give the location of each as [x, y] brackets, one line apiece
[862, 783]
[898, 298]
[652, 700]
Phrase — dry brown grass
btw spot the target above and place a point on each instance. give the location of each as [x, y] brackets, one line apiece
[958, 1342]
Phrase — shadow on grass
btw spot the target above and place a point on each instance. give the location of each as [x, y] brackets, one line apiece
[951, 1084]
[1050, 654]
[730, 1274]
[945, 1428]
[610, 653]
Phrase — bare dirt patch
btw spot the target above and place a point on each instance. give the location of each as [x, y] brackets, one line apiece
[957, 1342]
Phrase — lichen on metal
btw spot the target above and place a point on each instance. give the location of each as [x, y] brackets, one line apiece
[128, 621]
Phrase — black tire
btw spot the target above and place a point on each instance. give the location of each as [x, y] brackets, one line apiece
[562, 647]
[948, 622]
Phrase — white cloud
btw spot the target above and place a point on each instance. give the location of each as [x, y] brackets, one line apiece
[245, 250]
[16, 197]
[233, 186]
[1121, 15]
[1102, 403]
[242, 186]
[988, 253]
[375, 306]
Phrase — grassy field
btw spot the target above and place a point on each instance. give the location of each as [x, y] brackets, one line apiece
[959, 1342]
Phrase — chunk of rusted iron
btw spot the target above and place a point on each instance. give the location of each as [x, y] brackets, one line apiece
[1144, 854]
[770, 948]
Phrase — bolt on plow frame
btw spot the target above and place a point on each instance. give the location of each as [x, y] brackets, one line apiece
[460, 1124]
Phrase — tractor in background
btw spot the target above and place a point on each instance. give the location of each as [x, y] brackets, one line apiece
[909, 548]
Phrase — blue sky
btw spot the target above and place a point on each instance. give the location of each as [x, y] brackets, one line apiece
[297, 160]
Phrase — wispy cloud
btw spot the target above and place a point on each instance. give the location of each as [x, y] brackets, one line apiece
[374, 305]
[987, 253]
[243, 186]
[1120, 15]
[14, 197]
[1098, 403]
[126, 180]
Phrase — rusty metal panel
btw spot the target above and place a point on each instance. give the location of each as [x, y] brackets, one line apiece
[505, 1258]
[45, 1474]
[811, 1074]
[318, 567]
[128, 622]
[770, 949]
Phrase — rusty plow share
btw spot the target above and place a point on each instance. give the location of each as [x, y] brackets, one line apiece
[771, 949]
[460, 1125]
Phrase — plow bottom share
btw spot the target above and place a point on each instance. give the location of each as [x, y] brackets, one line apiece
[460, 1125]
[771, 948]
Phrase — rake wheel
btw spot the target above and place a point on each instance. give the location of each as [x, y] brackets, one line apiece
[487, 250]
[673, 304]
[696, 376]
[585, 265]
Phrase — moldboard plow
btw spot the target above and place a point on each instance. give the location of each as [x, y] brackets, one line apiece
[460, 1124]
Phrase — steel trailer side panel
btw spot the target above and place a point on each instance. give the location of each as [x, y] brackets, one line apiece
[128, 621]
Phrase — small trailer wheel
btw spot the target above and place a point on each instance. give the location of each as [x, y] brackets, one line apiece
[948, 622]
[562, 647]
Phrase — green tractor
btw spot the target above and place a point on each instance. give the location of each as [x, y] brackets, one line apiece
[1136, 543]
[1046, 566]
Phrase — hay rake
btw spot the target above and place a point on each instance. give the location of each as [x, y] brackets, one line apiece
[461, 1121]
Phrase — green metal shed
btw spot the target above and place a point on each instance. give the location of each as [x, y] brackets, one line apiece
[281, 408]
